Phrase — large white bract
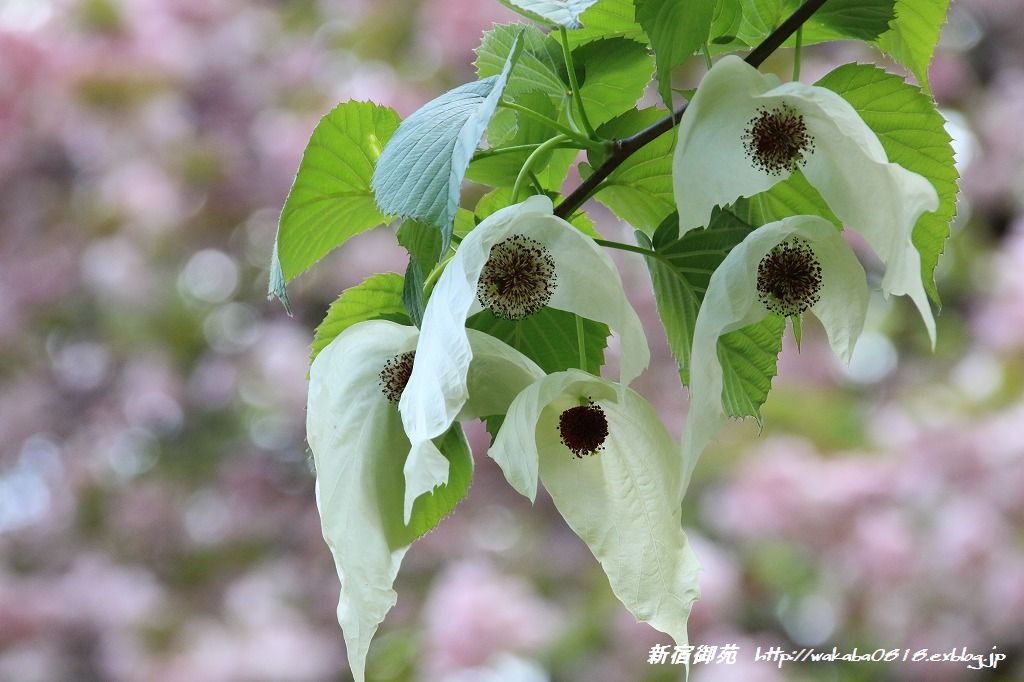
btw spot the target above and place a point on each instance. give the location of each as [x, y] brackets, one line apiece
[743, 132]
[359, 448]
[733, 301]
[624, 500]
[588, 285]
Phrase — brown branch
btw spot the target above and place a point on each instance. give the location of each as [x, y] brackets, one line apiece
[624, 148]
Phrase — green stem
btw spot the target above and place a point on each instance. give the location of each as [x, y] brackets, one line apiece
[629, 247]
[796, 54]
[550, 122]
[707, 55]
[497, 151]
[432, 278]
[485, 153]
[581, 343]
[567, 55]
[524, 172]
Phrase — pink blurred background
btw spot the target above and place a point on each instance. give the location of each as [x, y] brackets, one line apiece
[157, 520]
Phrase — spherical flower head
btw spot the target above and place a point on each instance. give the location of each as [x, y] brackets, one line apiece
[395, 375]
[789, 278]
[516, 261]
[583, 428]
[776, 140]
[518, 278]
[743, 132]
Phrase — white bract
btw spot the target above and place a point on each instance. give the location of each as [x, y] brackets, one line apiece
[735, 141]
[585, 282]
[624, 500]
[734, 300]
[359, 448]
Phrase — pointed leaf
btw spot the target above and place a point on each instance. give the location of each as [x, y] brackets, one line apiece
[330, 200]
[379, 296]
[835, 20]
[914, 34]
[677, 29]
[749, 358]
[640, 190]
[538, 68]
[420, 173]
[608, 19]
[681, 275]
[615, 74]
[548, 337]
[564, 13]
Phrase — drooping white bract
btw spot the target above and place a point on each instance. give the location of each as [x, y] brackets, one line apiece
[623, 500]
[359, 448]
[743, 132]
[585, 283]
[733, 301]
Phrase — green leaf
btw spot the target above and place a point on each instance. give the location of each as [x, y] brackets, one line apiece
[677, 29]
[725, 27]
[749, 358]
[412, 291]
[377, 297]
[612, 73]
[608, 19]
[564, 13]
[913, 133]
[615, 74]
[547, 337]
[792, 196]
[501, 170]
[538, 68]
[430, 509]
[422, 241]
[640, 190]
[420, 172]
[681, 273]
[331, 200]
[835, 20]
[913, 35]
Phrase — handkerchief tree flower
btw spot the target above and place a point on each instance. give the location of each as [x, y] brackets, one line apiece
[517, 261]
[397, 368]
[616, 477]
[359, 446]
[797, 265]
[744, 132]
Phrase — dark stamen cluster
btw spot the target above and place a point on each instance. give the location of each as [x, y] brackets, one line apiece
[583, 428]
[395, 375]
[789, 278]
[518, 278]
[776, 140]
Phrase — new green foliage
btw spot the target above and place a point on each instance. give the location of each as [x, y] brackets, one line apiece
[677, 29]
[331, 200]
[420, 172]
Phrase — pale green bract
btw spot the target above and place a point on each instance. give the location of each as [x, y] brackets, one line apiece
[879, 200]
[359, 448]
[588, 285]
[732, 303]
[624, 501]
